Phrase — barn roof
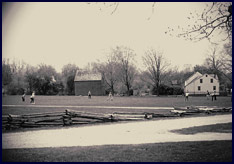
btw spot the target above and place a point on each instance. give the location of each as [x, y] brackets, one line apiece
[87, 77]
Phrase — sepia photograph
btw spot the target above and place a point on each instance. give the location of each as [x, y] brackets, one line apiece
[116, 81]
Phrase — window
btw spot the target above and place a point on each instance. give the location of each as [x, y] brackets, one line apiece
[199, 88]
[201, 81]
[206, 75]
[211, 80]
[214, 88]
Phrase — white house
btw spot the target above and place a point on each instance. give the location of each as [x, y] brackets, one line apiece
[200, 84]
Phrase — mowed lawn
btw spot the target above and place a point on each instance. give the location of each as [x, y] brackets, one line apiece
[60, 103]
[204, 151]
[152, 101]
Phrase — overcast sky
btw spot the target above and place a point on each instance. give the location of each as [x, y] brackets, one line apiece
[59, 33]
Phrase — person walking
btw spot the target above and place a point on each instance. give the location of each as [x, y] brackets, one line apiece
[23, 97]
[32, 98]
[207, 95]
[186, 96]
[89, 95]
[110, 97]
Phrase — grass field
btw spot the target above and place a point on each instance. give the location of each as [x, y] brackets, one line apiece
[72, 101]
[119, 101]
[207, 151]
[218, 128]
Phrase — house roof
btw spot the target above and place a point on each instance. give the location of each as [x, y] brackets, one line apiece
[193, 80]
[214, 76]
[197, 75]
[87, 77]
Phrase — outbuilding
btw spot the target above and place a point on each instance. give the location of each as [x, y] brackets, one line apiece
[85, 82]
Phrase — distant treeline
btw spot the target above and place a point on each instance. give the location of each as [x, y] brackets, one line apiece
[119, 71]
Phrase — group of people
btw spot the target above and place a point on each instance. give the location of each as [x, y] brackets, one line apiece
[110, 97]
[32, 97]
[213, 95]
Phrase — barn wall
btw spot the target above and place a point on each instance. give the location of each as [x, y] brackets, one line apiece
[83, 87]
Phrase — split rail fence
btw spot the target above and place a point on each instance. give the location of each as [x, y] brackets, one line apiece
[72, 117]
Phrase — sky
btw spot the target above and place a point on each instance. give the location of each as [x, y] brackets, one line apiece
[60, 33]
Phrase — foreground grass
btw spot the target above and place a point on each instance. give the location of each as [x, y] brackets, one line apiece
[206, 151]
[218, 128]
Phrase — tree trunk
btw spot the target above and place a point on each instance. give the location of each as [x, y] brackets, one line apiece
[128, 89]
[112, 87]
[157, 88]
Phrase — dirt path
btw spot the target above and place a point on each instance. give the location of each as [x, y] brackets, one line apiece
[121, 133]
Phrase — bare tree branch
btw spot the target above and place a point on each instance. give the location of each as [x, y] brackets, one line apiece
[116, 6]
[152, 12]
[216, 20]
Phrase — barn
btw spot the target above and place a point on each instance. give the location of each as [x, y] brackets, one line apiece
[85, 82]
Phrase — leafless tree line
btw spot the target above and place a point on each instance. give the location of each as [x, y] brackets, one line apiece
[119, 70]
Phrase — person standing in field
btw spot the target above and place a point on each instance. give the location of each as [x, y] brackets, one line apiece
[186, 96]
[207, 95]
[32, 98]
[89, 95]
[213, 96]
[23, 97]
[110, 97]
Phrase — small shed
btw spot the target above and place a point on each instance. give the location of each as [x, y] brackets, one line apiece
[85, 82]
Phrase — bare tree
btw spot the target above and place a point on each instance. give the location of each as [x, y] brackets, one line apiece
[109, 70]
[6, 72]
[215, 20]
[68, 75]
[126, 62]
[212, 59]
[218, 64]
[156, 67]
[226, 60]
